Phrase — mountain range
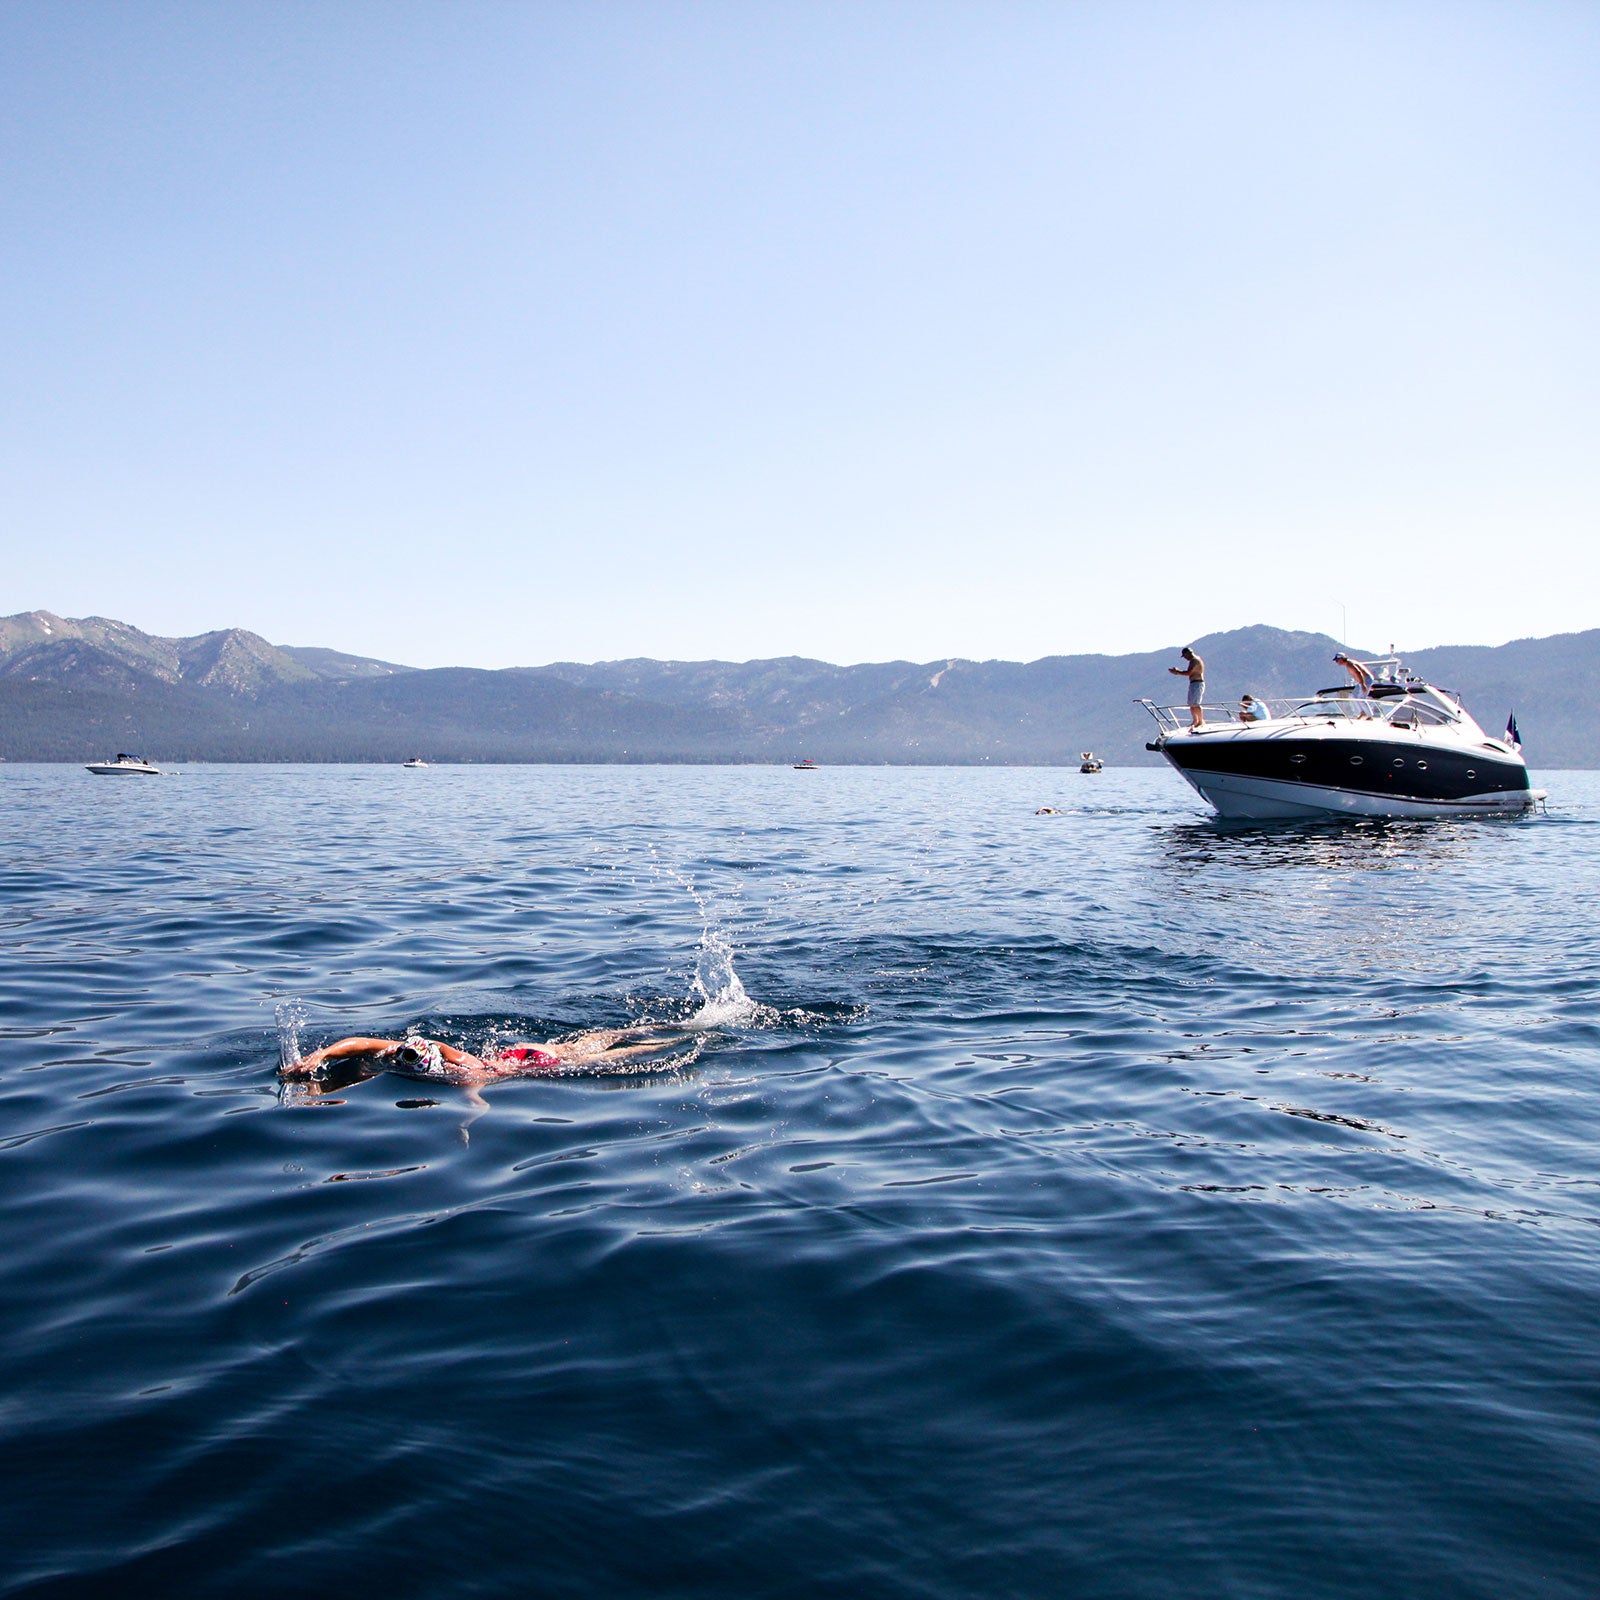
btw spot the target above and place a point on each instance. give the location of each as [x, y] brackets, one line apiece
[77, 689]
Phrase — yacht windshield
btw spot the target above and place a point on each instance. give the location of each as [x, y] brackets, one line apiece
[1406, 712]
[1344, 706]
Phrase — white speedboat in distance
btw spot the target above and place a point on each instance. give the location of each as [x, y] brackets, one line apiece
[415, 761]
[1395, 747]
[125, 766]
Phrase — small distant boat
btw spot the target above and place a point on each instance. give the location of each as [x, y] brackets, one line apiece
[1091, 762]
[125, 766]
[415, 761]
[808, 765]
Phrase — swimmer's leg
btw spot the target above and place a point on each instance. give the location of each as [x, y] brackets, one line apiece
[601, 1040]
[651, 1047]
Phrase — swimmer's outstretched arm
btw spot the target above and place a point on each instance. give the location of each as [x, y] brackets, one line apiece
[356, 1046]
[362, 1046]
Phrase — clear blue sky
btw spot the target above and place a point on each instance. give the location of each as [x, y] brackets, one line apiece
[494, 334]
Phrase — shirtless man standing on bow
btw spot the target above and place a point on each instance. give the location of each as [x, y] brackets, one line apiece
[1194, 670]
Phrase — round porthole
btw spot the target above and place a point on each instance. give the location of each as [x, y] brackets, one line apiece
[1422, 766]
[1355, 761]
[1399, 761]
[1472, 772]
[1297, 761]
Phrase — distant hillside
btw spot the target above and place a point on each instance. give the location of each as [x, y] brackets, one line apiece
[40, 647]
[75, 689]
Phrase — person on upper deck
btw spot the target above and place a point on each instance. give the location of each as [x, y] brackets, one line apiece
[1253, 710]
[1194, 670]
[1360, 674]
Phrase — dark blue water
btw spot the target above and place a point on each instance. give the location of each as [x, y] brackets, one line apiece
[1107, 1204]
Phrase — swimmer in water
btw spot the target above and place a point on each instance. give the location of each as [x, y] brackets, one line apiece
[437, 1062]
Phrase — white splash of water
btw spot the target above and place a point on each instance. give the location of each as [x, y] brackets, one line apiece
[716, 991]
[290, 1014]
[723, 1001]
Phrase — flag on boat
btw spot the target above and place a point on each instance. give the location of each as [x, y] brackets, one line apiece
[1513, 738]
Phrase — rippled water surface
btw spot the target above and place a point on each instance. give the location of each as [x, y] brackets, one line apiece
[1104, 1204]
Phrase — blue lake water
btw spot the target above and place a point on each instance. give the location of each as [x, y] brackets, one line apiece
[1109, 1204]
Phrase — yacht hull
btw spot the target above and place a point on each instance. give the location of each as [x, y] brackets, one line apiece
[1241, 796]
[1329, 773]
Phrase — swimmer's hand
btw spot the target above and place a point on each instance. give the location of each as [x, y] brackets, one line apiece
[305, 1067]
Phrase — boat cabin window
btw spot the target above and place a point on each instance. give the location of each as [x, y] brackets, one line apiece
[1418, 714]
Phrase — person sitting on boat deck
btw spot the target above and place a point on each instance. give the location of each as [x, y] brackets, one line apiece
[1195, 671]
[1361, 676]
[1253, 710]
[417, 1057]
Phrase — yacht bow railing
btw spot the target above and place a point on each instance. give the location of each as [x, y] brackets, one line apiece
[1401, 707]
[1173, 719]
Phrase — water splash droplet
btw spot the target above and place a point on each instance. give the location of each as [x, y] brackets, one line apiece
[291, 1015]
[723, 1001]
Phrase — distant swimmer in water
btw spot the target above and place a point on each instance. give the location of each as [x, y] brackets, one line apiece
[1047, 811]
[437, 1062]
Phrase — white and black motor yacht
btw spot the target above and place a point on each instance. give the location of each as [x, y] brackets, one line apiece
[1389, 746]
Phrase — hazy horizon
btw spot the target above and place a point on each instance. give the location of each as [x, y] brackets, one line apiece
[1370, 648]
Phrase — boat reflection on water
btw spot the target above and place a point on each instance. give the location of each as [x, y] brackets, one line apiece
[1288, 850]
[1283, 900]
[1367, 844]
